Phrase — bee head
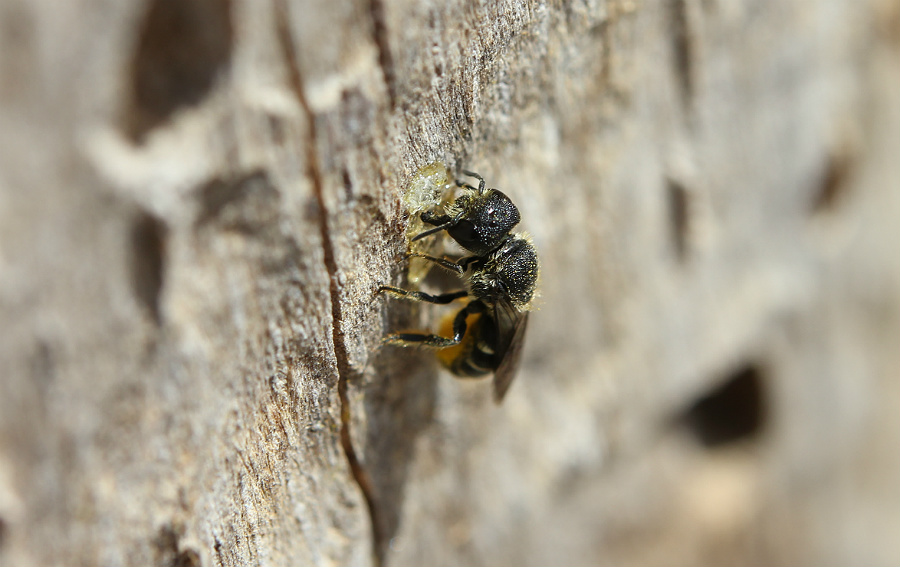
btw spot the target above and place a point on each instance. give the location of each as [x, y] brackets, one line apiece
[486, 221]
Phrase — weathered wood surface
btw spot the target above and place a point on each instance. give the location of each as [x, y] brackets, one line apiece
[199, 199]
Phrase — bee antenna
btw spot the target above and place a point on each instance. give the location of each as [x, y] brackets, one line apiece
[476, 176]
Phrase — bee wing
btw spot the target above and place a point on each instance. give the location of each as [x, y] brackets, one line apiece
[511, 327]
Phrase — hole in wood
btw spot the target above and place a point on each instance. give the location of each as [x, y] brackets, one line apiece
[247, 203]
[731, 412]
[148, 240]
[169, 549]
[186, 558]
[832, 186]
[181, 50]
[679, 217]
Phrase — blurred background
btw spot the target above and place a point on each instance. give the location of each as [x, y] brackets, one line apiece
[200, 198]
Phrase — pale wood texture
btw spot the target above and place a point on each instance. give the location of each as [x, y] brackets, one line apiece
[199, 200]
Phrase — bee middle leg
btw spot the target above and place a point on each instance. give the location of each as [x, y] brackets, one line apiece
[458, 266]
[441, 299]
[437, 341]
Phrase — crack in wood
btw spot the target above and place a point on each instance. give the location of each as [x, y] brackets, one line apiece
[360, 475]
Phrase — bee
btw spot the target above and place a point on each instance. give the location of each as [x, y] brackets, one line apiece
[500, 276]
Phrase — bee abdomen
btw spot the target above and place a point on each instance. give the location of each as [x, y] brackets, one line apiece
[478, 361]
[476, 355]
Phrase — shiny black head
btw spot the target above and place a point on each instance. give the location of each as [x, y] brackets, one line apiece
[479, 220]
[485, 220]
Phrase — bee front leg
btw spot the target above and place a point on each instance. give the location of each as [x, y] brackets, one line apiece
[433, 219]
[476, 176]
[466, 185]
[441, 222]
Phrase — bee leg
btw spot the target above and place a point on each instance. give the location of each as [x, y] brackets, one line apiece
[459, 266]
[441, 222]
[476, 176]
[437, 341]
[466, 185]
[463, 263]
[433, 219]
[441, 299]
[417, 339]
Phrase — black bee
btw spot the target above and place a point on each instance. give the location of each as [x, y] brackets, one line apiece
[501, 276]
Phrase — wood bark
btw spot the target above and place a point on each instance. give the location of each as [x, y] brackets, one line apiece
[199, 201]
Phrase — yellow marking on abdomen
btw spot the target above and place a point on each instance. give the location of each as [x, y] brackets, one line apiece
[448, 355]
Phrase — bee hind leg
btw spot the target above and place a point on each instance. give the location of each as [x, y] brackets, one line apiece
[437, 341]
[419, 339]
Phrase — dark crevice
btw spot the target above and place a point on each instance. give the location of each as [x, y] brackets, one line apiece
[731, 412]
[248, 203]
[605, 30]
[683, 49]
[182, 48]
[148, 248]
[186, 558]
[385, 59]
[345, 372]
[217, 547]
[832, 184]
[679, 217]
[348, 183]
[169, 550]
[216, 195]
[43, 364]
